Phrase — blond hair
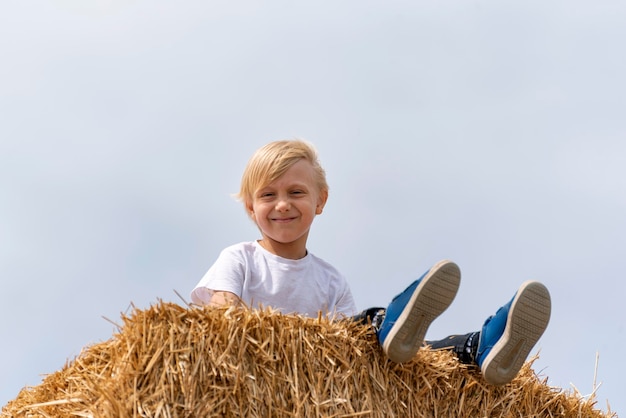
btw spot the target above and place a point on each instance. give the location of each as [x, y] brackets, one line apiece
[272, 161]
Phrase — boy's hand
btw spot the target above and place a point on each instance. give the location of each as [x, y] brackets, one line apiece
[220, 298]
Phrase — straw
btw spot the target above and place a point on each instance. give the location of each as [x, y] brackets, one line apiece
[173, 361]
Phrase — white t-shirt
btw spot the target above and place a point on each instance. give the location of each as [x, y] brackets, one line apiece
[305, 286]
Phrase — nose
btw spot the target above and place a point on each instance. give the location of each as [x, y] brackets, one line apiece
[283, 205]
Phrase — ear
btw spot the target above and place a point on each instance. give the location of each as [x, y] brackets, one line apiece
[250, 209]
[321, 202]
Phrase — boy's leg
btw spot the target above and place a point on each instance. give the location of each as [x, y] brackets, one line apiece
[408, 316]
[506, 338]
[370, 316]
[464, 347]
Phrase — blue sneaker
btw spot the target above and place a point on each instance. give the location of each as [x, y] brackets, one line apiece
[508, 336]
[410, 313]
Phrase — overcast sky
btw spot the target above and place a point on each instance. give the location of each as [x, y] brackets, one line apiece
[490, 133]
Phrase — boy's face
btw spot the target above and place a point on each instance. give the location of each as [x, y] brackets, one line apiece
[284, 210]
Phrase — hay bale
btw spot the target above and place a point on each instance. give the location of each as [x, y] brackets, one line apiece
[170, 361]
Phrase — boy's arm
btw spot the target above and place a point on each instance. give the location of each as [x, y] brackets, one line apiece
[221, 298]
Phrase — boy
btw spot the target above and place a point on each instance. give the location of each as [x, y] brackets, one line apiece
[283, 188]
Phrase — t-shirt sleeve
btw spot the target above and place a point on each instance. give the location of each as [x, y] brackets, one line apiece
[345, 302]
[227, 274]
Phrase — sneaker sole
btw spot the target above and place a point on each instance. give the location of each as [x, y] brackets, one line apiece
[527, 320]
[431, 297]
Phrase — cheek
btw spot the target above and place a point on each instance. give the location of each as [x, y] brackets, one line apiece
[312, 211]
[258, 213]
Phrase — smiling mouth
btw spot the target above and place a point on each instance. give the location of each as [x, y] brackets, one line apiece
[282, 220]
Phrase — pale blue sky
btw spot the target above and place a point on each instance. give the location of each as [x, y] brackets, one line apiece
[489, 133]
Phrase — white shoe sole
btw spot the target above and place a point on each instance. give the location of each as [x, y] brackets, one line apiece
[432, 296]
[527, 320]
